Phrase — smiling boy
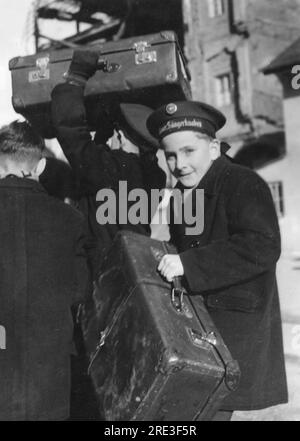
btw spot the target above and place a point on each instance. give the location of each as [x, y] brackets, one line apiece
[232, 262]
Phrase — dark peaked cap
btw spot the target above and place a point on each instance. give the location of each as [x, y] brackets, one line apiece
[134, 123]
[185, 115]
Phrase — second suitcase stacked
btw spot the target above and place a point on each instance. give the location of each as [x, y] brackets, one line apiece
[149, 70]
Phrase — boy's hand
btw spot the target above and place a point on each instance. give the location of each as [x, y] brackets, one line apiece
[170, 266]
[84, 64]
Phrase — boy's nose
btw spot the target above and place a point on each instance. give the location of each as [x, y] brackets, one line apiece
[180, 163]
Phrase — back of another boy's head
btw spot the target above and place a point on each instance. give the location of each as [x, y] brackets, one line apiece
[20, 143]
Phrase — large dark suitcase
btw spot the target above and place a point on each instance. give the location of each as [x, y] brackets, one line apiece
[153, 355]
[148, 70]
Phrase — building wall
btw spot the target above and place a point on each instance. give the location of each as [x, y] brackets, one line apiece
[287, 171]
[273, 26]
[241, 42]
[245, 39]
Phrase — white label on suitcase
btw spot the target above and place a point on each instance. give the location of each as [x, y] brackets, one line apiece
[42, 73]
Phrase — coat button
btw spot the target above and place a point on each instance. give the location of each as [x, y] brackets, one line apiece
[195, 244]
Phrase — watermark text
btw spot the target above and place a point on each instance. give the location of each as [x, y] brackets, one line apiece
[138, 207]
[2, 338]
[296, 78]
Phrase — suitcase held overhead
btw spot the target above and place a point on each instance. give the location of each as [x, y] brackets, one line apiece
[155, 353]
[148, 70]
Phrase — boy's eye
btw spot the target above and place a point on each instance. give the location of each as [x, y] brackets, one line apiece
[170, 156]
[188, 151]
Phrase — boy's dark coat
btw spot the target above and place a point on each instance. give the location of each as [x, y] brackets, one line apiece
[96, 167]
[232, 264]
[42, 272]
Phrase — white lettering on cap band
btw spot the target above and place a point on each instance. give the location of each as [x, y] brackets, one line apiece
[177, 125]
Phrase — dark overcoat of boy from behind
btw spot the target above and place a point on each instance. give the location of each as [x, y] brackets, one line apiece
[42, 273]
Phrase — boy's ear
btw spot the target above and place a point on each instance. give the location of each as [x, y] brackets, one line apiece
[215, 149]
[41, 165]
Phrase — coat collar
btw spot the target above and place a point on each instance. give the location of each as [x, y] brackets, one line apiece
[209, 181]
[21, 183]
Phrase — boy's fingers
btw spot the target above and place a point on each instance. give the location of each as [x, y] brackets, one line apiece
[167, 268]
[169, 276]
[162, 264]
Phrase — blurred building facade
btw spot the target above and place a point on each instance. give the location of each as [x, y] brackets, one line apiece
[286, 67]
[227, 43]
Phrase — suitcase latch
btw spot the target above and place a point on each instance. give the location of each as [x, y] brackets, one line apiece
[108, 67]
[42, 72]
[207, 337]
[233, 374]
[143, 56]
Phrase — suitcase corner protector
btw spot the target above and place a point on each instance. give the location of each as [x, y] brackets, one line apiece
[232, 375]
[13, 63]
[169, 35]
[170, 362]
[18, 104]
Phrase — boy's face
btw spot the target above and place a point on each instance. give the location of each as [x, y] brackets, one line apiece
[189, 155]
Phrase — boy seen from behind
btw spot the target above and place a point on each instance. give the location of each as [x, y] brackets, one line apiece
[42, 273]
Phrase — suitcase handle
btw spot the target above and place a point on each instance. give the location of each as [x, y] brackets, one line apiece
[178, 291]
[177, 294]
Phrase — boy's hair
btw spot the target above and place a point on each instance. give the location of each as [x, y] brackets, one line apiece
[224, 146]
[21, 142]
[201, 135]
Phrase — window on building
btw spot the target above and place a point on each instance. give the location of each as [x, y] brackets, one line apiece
[223, 90]
[277, 193]
[215, 8]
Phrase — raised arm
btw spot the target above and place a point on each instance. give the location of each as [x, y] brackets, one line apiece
[94, 165]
